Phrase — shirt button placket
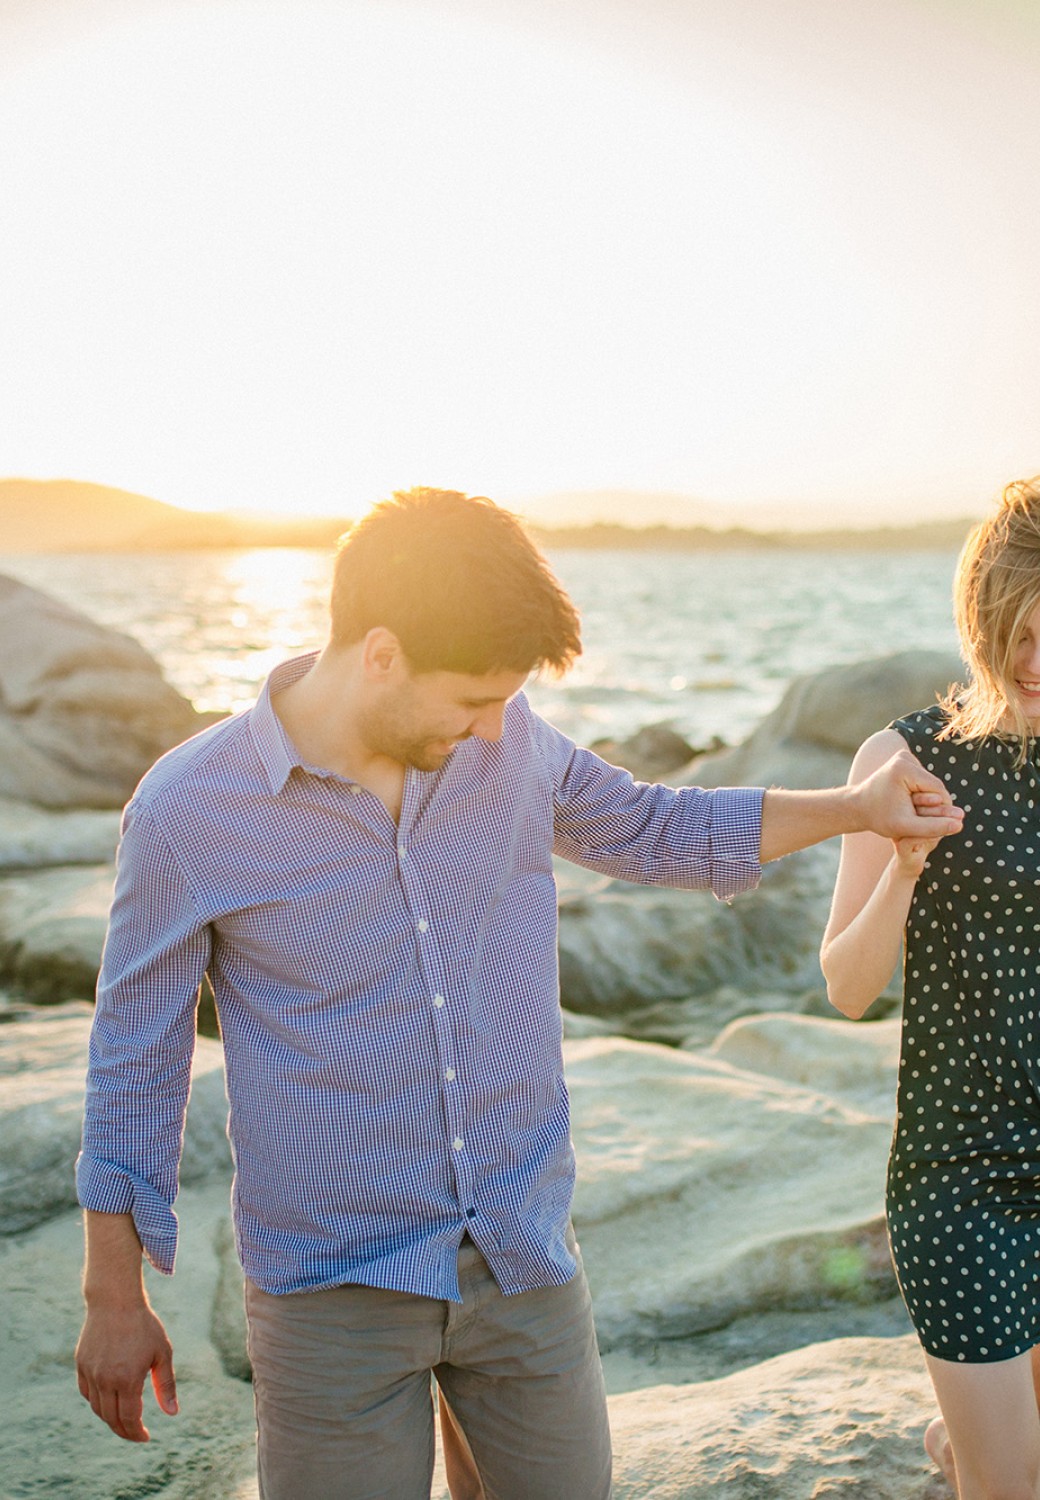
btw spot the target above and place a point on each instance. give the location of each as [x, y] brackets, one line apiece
[458, 1145]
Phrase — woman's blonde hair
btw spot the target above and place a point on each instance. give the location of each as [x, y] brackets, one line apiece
[995, 589]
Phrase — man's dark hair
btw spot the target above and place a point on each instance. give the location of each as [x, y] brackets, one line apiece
[458, 581]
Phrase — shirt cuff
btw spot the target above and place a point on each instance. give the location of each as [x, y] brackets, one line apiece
[107, 1189]
[736, 838]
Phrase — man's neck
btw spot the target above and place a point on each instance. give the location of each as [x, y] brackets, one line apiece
[316, 712]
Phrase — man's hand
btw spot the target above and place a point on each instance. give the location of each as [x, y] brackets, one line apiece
[117, 1349]
[902, 800]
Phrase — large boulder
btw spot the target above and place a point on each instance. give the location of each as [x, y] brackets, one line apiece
[84, 710]
[52, 930]
[32, 837]
[842, 1418]
[43, 1062]
[668, 965]
[707, 1191]
[625, 947]
[652, 753]
[53, 1443]
[823, 718]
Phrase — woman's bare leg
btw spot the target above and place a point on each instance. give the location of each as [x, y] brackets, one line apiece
[990, 1449]
[937, 1443]
[460, 1467]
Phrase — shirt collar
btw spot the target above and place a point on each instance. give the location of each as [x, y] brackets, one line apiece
[278, 755]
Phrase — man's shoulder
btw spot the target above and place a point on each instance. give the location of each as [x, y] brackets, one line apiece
[539, 741]
[222, 751]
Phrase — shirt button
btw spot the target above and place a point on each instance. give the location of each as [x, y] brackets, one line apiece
[422, 924]
[457, 1143]
[355, 790]
[449, 1074]
[438, 1000]
[402, 851]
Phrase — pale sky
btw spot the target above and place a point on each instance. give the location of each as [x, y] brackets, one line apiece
[291, 255]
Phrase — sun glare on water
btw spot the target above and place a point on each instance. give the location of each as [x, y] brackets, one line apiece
[275, 601]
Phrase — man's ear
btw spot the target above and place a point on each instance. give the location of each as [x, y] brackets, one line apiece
[382, 657]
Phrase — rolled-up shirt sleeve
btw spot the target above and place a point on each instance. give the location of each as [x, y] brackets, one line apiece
[142, 1041]
[648, 833]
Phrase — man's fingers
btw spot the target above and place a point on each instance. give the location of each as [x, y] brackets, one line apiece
[935, 826]
[131, 1418]
[117, 1409]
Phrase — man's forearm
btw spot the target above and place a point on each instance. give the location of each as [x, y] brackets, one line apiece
[794, 820]
[112, 1273]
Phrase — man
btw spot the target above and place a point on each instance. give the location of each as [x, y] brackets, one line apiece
[362, 865]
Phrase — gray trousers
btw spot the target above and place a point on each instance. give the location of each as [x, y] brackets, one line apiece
[344, 1409]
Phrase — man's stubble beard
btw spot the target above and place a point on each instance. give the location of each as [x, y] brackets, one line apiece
[388, 733]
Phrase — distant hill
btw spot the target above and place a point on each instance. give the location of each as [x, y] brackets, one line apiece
[67, 515]
[938, 536]
[649, 509]
[572, 510]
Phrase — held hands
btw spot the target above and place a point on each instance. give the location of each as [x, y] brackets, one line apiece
[904, 802]
[117, 1349]
[911, 854]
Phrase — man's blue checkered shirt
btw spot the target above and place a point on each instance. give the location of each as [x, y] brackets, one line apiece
[388, 996]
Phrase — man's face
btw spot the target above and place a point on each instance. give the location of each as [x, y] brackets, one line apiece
[420, 719]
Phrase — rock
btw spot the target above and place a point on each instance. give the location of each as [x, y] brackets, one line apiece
[52, 930]
[43, 1065]
[844, 1418]
[706, 1191]
[84, 711]
[650, 754]
[31, 836]
[227, 1320]
[811, 736]
[747, 1341]
[695, 1022]
[853, 1062]
[624, 947]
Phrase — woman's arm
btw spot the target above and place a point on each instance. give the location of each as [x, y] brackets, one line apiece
[872, 897]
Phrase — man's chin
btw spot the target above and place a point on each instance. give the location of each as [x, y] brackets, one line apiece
[432, 757]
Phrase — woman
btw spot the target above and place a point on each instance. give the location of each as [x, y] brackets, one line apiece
[964, 1173]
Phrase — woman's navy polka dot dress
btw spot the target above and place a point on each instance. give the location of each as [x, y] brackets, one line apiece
[964, 1173]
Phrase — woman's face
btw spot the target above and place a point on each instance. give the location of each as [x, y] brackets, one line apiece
[1026, 667]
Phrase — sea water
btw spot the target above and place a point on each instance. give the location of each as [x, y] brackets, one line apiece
[706, 641]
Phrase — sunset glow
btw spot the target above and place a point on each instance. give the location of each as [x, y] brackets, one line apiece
[287, 256]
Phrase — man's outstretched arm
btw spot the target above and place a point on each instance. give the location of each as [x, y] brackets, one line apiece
[123, 1341]
[900, 800]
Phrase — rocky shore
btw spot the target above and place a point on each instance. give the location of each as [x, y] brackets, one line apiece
[731, 1134]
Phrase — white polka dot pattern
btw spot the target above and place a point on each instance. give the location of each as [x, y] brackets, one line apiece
[964, 1172]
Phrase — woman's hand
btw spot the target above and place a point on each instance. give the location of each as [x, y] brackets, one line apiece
[912, 854]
